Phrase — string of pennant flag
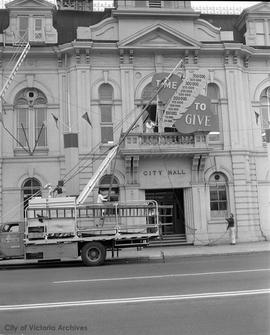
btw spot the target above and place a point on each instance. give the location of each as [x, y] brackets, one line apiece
[85, 116]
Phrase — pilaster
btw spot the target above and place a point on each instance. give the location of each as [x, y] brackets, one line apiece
[189, 214]
[200, 234]
[238, 96]
[127, 81]
[246, 197]
[199, 214]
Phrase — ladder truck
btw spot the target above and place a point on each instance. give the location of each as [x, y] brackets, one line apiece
[59, 228]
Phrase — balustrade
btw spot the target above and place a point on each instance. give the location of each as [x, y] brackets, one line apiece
[159, 139]
[81, 5]
[164, 141]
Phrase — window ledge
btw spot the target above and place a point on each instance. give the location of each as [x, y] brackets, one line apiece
[107, 145]
[38, 152]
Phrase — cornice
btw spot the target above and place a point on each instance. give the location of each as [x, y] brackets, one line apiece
[146, 12]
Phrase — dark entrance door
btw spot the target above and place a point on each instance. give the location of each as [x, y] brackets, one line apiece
[174, 197]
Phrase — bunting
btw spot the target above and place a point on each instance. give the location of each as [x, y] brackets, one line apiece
[86, 118]
[56, 120]
[257, 115]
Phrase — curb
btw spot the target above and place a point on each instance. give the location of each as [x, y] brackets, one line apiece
[161, 256]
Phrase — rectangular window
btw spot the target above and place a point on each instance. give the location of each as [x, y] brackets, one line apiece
[214, 135]
[23, 28]
[260, 32]
[154, 3]
[106, 123]
[40, 127]
[23, 126]
[259, 27]
[38, 29]
[106, 134]
[106, 113]
[265, 113]
[218, 200]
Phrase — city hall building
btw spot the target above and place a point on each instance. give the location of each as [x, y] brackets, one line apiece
[88, 75]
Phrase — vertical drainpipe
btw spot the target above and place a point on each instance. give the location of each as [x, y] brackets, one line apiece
[71, 151]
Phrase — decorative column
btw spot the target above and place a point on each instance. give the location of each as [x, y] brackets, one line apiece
[189, 214]
[199, 198]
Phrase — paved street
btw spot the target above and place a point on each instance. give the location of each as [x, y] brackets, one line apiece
[208, 295]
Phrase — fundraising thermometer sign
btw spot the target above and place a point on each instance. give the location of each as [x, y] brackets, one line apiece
[199, 116]
[184, 96]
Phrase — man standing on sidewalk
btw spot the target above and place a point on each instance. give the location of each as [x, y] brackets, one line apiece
[231, 227]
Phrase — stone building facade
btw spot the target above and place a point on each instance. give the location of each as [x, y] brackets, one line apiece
[88, 75]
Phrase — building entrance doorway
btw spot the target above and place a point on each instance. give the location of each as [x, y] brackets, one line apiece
[174, 197]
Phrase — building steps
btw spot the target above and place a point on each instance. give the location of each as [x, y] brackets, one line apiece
[170, 240]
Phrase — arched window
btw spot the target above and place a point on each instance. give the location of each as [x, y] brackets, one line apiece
[31, 112]
[265, 111]
[214, 96]
[148, 92]
[31, 187]
[106, 117]
[109, 181]
[218, 195]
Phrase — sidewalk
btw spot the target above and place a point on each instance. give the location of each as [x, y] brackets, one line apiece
[163, 253]
[190, 250]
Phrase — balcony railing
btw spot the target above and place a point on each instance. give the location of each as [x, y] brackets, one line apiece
[80, 5]
[172, 141]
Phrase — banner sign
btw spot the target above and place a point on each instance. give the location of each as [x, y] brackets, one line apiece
[200, 116]
[184, 96]
[169, 87]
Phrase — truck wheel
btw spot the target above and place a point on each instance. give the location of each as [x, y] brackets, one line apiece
[93, 253]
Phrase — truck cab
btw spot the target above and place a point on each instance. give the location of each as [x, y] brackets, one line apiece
[11, 240]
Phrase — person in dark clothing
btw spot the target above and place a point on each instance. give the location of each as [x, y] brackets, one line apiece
[231, 228]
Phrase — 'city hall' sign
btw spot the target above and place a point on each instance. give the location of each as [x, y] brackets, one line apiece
[169, 172]
[155, 173]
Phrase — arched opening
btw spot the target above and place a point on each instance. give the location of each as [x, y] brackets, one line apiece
[218, 186]
[30, 188]
[109, 184]
[265, 111]
[31, 114]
